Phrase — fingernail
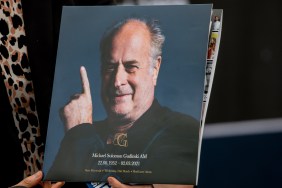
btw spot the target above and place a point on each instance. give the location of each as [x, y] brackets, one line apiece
[110, 180]
[37, 174]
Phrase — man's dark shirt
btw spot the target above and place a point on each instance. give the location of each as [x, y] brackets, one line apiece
[168, 141]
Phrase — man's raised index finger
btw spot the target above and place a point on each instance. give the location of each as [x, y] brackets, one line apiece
[84, 80]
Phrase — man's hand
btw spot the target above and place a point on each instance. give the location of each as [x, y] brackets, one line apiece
[116, 184]
[79, 109]
[35, 179]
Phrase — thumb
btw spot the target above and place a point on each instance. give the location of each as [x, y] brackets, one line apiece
[32, 180]
[114, 183]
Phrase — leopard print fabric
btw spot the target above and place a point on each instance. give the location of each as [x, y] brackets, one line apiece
[16, 74]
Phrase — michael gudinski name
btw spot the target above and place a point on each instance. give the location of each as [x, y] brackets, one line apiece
[117, 156]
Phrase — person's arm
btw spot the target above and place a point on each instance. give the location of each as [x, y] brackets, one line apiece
[34, 180]
[117, 184]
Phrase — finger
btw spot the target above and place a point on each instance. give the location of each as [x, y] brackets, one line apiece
[58, 185]
[48, 184]
[172, 186]
[74, 97]
[114, 183]
[32, 180]
[85, 82]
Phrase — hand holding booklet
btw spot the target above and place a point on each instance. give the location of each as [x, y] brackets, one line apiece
[128, 93]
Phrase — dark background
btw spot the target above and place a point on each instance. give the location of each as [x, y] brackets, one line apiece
[247, 86]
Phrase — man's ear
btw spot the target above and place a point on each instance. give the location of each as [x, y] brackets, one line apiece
[156, 69]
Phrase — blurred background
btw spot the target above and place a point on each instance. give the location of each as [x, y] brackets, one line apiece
[242, 144]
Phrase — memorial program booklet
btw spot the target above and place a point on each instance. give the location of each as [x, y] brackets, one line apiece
[160, 144]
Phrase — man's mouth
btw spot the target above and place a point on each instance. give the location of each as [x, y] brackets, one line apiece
[119, 96]
[122, 94]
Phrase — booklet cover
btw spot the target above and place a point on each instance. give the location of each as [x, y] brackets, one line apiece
[128, 93]
[213, 49]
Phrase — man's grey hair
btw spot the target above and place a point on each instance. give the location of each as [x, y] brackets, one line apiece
[157, 37]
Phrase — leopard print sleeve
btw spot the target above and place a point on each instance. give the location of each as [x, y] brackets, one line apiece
[16, 74]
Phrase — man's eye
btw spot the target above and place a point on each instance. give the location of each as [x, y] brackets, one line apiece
[109, 68]
[131, 68]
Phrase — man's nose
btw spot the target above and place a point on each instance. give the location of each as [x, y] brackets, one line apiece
[120, 76]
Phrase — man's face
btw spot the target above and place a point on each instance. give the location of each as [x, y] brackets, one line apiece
[128, 76]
